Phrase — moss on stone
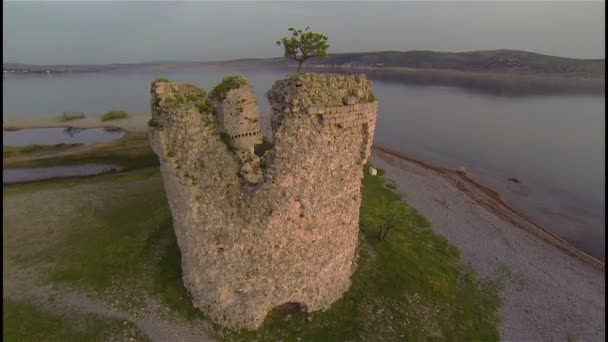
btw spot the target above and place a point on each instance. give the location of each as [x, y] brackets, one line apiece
[228, 83]
[205, 106]
[371, 97]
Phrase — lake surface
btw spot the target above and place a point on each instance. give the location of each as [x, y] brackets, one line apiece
[54, 136]
[40, 173]
[554, 145]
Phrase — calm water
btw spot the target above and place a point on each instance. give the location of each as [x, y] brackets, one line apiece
[30, 174]
[54, 136]
[553, 144]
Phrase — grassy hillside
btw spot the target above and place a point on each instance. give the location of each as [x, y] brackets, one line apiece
[489, 61]
[481, 61]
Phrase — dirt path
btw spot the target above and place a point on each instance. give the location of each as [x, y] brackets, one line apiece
[35, 222]
[551, 293]
[154, 320]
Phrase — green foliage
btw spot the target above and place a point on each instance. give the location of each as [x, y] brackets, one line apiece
[131, 151]
[69, 116]
[114, 115]
[161, 79]
[389, 216]
[205, 107]
[23, 321]
[228, 83]
[409, 287]
[371, 97]
[303, 45]
[167, 271]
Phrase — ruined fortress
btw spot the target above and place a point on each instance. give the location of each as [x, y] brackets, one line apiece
[260, 225]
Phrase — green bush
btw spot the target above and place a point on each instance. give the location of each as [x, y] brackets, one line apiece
[69, 116]
[114, 115]
[228, 83]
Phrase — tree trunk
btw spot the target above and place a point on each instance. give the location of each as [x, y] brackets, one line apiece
[300, 65]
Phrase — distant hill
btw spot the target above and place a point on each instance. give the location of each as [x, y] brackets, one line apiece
[502, 61]
[491, 61]
[63, 68]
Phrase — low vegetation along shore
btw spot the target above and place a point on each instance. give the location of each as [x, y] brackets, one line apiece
[426, 280]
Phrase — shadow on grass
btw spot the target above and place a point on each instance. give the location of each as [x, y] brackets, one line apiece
[167, 271]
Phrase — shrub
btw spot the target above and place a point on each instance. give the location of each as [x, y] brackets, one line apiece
[114, 115]
[69, 116]
[205, 106]
[371, 97]
[303, 45]
[228, 83]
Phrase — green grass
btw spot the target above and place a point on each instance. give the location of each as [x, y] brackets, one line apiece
[70, 116]
[23, 321]
[13, 151]
[410, 286]
[114, 115]
[228, 83]
[131, 152]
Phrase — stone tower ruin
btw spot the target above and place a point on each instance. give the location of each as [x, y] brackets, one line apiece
[237, 115]
[258, 229]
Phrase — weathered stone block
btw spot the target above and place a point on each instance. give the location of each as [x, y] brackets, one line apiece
[350, 100]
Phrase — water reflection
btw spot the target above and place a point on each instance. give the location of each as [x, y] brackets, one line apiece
[42, 173]
[59, 135]
[496, 85]
[70, 131]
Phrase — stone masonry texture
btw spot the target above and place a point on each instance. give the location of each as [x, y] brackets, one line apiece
[285, 230]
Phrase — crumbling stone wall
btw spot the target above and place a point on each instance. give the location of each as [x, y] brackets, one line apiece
[238, 117]
[288, 237]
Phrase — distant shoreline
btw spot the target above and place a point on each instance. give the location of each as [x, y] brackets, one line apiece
[508, 62]
[492, 83]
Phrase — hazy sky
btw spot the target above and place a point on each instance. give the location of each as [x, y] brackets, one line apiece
[90, 32]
